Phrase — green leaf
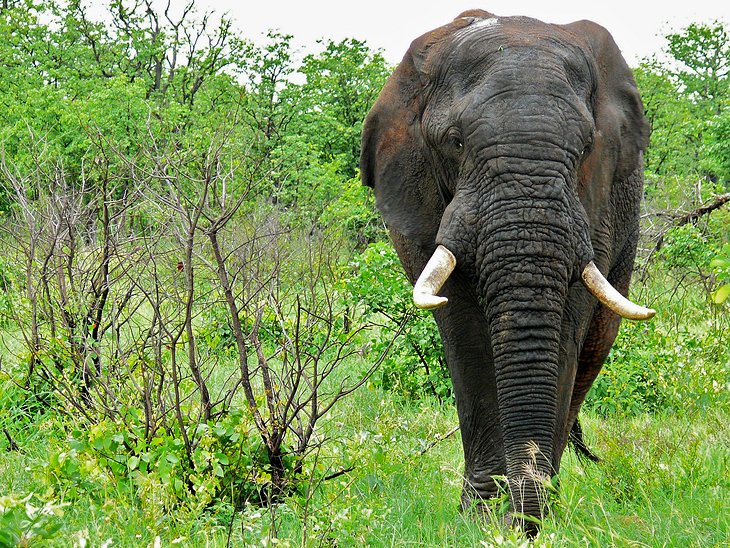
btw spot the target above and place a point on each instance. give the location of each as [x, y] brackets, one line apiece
[721, 295]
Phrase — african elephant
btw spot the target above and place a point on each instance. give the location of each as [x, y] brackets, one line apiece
[506, 159]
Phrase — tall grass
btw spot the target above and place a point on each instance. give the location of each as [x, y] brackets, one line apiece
[663, 481]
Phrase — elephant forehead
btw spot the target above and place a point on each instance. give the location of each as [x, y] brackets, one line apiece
[477, 23]
[491, 38]
[503, 52]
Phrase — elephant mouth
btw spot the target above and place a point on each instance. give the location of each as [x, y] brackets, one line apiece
[442, 263]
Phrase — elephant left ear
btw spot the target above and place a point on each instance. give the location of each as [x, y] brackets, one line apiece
[618, 110]
[395, 160]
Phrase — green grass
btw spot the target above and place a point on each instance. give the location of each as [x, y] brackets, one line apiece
[663, 482]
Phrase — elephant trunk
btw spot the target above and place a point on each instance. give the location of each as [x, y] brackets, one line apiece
[525, 331]
[523, 255]
[524, 289]
[522, 250]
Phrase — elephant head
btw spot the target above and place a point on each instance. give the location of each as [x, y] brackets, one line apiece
[506, 159]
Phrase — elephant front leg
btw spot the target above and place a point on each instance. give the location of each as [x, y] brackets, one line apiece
[468, 354]
[483, 447]
[599, 339]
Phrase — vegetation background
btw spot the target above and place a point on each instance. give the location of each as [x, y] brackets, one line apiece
[207, 340]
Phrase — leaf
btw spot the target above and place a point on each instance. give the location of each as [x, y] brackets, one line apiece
[721, 295]
[720, 263]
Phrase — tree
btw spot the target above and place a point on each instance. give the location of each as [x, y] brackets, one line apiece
[673, 130]
[342, 83]
[718, 146]
[686, 102]
[703, 52]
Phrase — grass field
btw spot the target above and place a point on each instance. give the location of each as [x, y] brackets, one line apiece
[663, 481]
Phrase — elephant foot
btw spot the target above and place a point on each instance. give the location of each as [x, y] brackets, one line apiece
[485, 494]
[493, 499]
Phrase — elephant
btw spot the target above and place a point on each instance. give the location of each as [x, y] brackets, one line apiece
[506, 159]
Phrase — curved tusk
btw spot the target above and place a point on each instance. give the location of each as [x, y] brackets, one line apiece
[602, 290]
[437, 270]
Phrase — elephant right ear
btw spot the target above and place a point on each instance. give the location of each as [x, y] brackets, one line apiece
[395, 161]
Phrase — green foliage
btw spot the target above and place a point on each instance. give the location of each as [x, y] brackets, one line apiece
[674, 131]
[414, 367]
[215, 333]
[653, 371]
[721, 266]
[704, 53]
[23, 523]
[718, 144]
[354, 211]
[8, 288]
[686, 247]
[229, 463]
[686, 102]
[342, 83]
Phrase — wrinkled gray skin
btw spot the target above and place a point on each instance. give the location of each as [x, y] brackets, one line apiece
[517, 145]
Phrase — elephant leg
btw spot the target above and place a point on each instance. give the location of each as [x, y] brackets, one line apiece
[465, 335]
[467, 347]
[601, 334]
[599, 340]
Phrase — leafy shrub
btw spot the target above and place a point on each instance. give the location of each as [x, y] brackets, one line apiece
[686, 247]
[23, 523]
[721, 265]
[354, 212]
[651, 371]
[414, 366]
[7, 286]
[229, 463]
[215, 333]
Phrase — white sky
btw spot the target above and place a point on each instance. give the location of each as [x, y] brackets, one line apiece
[638, 26]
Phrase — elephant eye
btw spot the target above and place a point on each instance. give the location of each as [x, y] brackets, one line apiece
[454, 140]
[588, 147]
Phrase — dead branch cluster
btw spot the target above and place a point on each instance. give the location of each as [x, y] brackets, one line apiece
[658, 224]
[154, 283]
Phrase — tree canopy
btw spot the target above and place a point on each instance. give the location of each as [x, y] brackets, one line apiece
[686, 99]
[76, 83]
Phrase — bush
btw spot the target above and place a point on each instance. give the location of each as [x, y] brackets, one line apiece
[229, 463]
[414, 367]
[8, 278]
[721, 266]
[652, 371]
[22, 523]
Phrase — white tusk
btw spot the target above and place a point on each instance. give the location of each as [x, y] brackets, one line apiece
[437, 270]
[602, 290]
